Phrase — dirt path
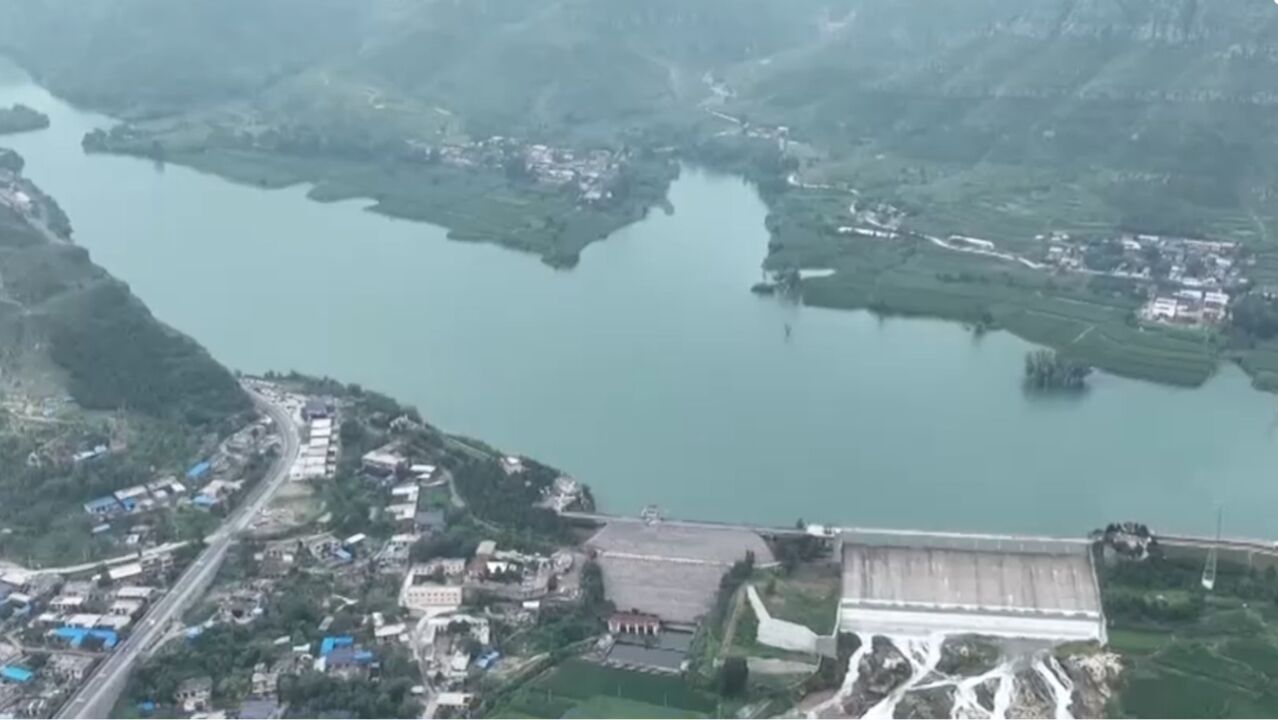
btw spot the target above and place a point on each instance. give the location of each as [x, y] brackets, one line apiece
[1083, 334]
[738, 601]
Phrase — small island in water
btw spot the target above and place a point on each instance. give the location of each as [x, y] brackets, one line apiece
[1048, 371]
[21, 118]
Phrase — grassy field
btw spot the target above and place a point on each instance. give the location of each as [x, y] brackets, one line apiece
[1190, 655]
[809, 596]
[436, 497]
[578, 688]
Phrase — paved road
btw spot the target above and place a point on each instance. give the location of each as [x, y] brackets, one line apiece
[99, 694]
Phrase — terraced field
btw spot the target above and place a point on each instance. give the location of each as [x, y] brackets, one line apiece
[1190, 654]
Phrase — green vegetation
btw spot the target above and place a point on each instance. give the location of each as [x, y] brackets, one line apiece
[313, 694]
[1190, 653]
[509, 501]
[20, 118]
[809, 595]
[117, 355]
[579, 688]
[11, 161]
[1046, 370]
[733, 676]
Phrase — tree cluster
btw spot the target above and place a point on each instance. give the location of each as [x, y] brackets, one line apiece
[510, 501]
[1048, 370]
[1255, 317]
[118, 356]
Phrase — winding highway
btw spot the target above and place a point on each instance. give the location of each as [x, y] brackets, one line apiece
[96, 697]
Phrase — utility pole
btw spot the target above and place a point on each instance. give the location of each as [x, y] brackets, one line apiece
[1209, 571]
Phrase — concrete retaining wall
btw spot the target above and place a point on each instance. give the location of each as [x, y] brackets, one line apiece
[780, 633]
[887, 621]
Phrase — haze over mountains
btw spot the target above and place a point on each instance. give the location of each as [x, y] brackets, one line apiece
[1121, 103]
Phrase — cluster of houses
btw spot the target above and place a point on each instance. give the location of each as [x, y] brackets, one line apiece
[206, 484]
[1189, 281]
[71, 625]
[30, 689]
[389, 467]
[143, 498]
[453, 641]
[209, 492]
[339, 656]
[1187, 307]
[12, 195]
[591, 172]
[101, 610]
[194, 696]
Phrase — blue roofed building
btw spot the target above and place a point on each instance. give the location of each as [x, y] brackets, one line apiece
[76, 636]
[350, 661]
[16, 674]
[333, 642]
[198, 470]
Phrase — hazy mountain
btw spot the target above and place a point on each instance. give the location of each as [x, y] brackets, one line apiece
[1138, 112]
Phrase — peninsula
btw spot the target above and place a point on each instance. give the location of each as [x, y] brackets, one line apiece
[20, 118]
[985, 193]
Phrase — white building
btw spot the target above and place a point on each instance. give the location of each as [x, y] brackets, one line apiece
[383, 462]
[1162, 309]
[127, 571]
[422, 596]
[402, 512]
[134, 592]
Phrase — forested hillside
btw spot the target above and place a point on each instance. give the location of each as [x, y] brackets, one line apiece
[65, 324]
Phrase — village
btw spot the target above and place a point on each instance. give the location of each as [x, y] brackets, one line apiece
[1183, 282]
[589, 173]
[1188, 282]
[57, 624]
[439, 602]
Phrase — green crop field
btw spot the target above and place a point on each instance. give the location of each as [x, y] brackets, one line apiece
[578, 688]
[602, 706]
[1137, 642]
[1189, 654]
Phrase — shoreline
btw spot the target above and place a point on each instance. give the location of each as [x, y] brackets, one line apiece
[813, 287]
